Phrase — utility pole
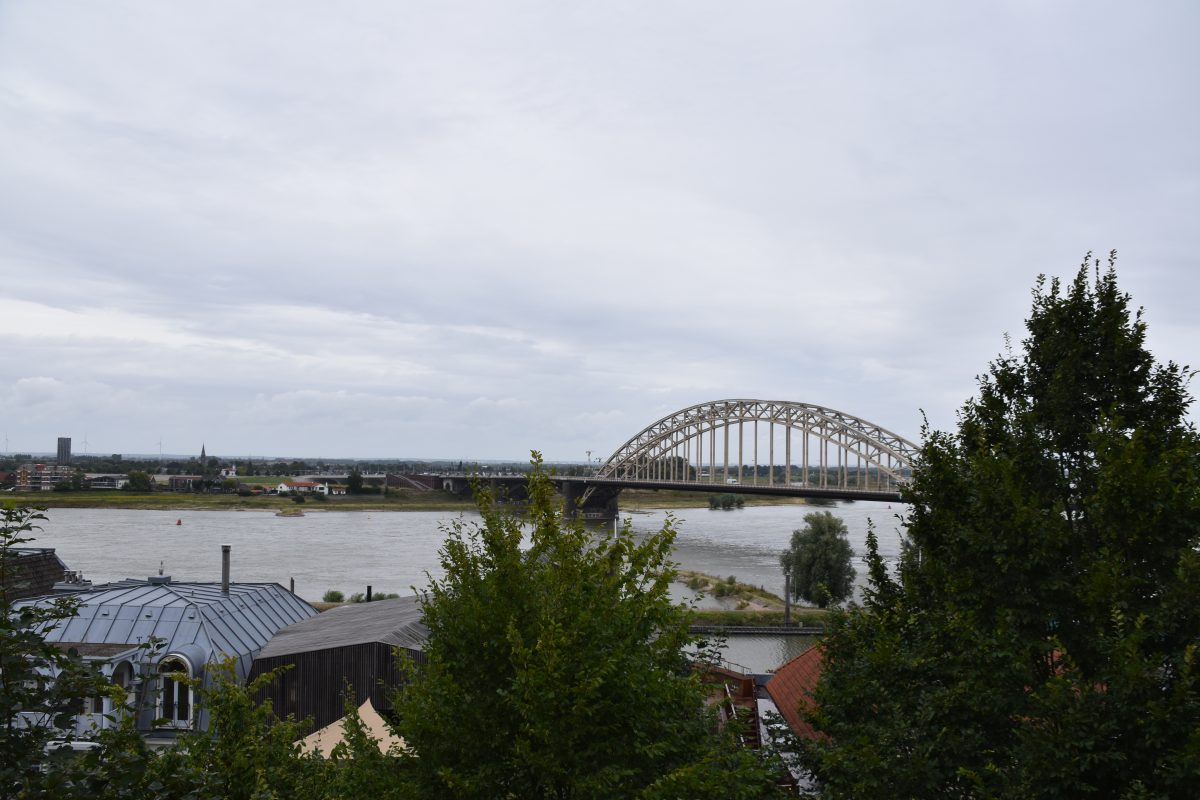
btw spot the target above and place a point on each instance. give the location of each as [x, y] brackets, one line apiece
[787, 597]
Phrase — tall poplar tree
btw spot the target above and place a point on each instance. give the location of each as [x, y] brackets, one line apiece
[1040, 638]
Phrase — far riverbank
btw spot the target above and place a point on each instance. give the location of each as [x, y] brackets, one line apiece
[395, 500]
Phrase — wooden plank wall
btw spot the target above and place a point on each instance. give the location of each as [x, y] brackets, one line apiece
[315, 683]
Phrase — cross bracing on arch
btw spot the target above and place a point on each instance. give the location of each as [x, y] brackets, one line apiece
[731, 441]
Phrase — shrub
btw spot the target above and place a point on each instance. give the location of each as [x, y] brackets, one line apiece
[360, 597]
[726, 502]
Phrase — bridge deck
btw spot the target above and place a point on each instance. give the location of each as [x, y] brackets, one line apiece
[776, 489]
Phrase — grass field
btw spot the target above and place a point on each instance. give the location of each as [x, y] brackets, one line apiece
[801, 617]
[754, 605]
[745, 595]
[396, 500]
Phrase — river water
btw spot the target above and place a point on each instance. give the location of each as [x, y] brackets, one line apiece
[397, 551]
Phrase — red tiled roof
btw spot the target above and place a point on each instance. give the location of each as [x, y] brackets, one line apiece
[792, 686]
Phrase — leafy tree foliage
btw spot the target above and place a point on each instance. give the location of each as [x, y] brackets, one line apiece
[41, 686]
[819, 560]
[726, 502]
[555, 671]
[247, 752]
[354, 483]
[139, 481]
[558, 669]
[1040, 639]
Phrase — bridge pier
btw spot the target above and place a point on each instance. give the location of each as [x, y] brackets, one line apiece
[599, 510]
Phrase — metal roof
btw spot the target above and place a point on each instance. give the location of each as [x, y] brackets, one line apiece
[91, 650]
[190, 617]
[396, 622]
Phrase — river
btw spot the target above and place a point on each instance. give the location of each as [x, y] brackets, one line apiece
[396, 551]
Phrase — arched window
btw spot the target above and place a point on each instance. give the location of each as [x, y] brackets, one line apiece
[175, 699]
[122, 675]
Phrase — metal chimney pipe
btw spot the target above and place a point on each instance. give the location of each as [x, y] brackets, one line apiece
[225, 548]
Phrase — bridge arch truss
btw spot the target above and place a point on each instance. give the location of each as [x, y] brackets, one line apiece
[759, 442]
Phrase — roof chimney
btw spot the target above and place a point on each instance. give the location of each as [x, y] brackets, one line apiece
[225, 548]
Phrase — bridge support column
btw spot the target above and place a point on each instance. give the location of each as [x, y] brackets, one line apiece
[600, 509]
[571, 493]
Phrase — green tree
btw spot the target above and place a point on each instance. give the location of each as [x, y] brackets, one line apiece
[42, 687]
[1040, 638]
[354, 483]
[357, 767]
[819, 560]
[246, 753]
[139, 481]
[558, 669]
[726, 502]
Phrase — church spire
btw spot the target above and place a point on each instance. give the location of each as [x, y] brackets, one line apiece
[202, 456]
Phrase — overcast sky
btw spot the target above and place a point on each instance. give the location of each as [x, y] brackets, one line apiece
[465, 230]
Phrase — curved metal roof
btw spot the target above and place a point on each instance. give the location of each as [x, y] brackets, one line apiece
[129, 612]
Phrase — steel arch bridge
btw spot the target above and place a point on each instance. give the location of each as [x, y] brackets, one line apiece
[759, 447]
[775, 446]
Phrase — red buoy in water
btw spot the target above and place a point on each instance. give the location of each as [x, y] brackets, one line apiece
[178, 522]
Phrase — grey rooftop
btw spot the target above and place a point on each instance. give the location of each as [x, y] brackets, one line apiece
[129, 612]
[396, 622]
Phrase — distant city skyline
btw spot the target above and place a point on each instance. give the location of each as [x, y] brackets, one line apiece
[481, 229]
[226, 457]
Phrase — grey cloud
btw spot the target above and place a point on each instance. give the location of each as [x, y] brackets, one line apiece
[593, 213]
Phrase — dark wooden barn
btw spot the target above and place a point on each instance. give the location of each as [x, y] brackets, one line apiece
[353, 644]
